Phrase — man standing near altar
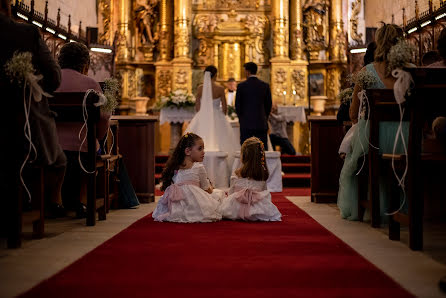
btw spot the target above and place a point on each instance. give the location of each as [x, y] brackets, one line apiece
[253, 105]
[231, 91]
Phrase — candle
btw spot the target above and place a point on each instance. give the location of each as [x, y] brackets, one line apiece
[284, 97]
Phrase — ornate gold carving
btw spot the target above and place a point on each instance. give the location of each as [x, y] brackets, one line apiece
[164, 81]
[204, 24]
[298, 83]
[231, 4]
[182, 38]
[356, 9]
[337, 43]
[132, 83]
[105, 9]
[316, 29]
[181, 79]
[331, 84]
[259, 27]
[280, 83]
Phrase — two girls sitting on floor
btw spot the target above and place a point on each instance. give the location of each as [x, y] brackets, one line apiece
[190, 197]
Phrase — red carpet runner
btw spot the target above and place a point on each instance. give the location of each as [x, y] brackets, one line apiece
[293, 258]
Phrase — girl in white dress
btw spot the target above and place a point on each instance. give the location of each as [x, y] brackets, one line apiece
[188, 193]
[248, 197]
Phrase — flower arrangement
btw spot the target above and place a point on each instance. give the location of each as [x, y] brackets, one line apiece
[111, 89]
[345, 95]
[178, 98]
[19, 67]
[231, 112]
[364, 79]
[400, 55]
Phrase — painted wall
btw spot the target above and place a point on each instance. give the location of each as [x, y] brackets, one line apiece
[80, 10]
[382, 10]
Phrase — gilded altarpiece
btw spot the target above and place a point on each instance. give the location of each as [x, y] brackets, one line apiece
[172, 41]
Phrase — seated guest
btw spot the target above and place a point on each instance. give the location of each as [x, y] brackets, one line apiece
[439, 124]
[441, 47]
[22, 38]
[278, 134]
[430, 58]
[379, 77]
[74, 59]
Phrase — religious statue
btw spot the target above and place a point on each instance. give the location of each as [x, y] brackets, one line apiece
[145, 17]
[356, 9]
[315, 25]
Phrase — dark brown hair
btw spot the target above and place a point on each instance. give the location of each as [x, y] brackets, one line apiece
[212, 69]
[74, 55]
[252, 156]
[177, 158]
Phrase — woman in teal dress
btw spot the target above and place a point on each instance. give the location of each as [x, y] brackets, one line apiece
[376, 75]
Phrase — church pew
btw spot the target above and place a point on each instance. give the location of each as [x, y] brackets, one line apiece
[424, 104]
[426, 101]
[383, 107]
[68, 107]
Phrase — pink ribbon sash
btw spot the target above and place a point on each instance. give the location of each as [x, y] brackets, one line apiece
[246, 197]
[173, 193]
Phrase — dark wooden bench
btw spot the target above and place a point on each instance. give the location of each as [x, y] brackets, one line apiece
[68, 107]
[424, 104]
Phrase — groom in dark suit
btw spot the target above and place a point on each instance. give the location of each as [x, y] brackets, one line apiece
[253, 105]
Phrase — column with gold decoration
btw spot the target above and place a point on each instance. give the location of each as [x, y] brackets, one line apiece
[182, 62]
[280, 62]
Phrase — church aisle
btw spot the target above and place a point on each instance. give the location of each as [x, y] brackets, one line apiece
[293, 258]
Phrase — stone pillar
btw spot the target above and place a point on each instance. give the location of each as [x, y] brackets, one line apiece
[182, 62]
[165, 41]
[124, 42]
[337, 54]
[337, 34]
[163, 76]
[280, 62]
[296, 33]
[280, 16]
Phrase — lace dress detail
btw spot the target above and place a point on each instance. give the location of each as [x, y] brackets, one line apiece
[249, 200]
[186, 200]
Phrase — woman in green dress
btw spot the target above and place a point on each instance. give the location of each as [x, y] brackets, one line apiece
[376, 75]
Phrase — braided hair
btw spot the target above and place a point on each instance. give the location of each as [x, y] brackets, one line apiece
[252, 156]
[177, 158]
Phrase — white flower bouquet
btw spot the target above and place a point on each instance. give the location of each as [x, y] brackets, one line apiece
[364, 79]
[178, 98]
[345, 95]
[400, 55]
[19, 67]
[111, 89]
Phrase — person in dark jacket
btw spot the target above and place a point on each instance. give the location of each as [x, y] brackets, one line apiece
[253, 105]
[19, 37]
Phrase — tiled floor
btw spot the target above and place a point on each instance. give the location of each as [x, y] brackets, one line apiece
[67, 240]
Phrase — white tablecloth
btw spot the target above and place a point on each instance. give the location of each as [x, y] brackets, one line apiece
[176, 115]
[292, 113]
[274, 182]
[216, 165]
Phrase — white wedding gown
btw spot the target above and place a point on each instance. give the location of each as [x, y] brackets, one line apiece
[212, 126]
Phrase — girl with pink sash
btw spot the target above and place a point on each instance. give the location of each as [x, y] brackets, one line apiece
[248, 197]
[188, 193]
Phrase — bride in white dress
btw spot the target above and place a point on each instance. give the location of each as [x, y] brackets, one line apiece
[211, 124]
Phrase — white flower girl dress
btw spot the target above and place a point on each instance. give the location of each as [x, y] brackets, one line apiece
[186, 200]
[249, 200]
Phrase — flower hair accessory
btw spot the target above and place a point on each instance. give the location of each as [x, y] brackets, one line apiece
[186, 135]
[262, 151]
